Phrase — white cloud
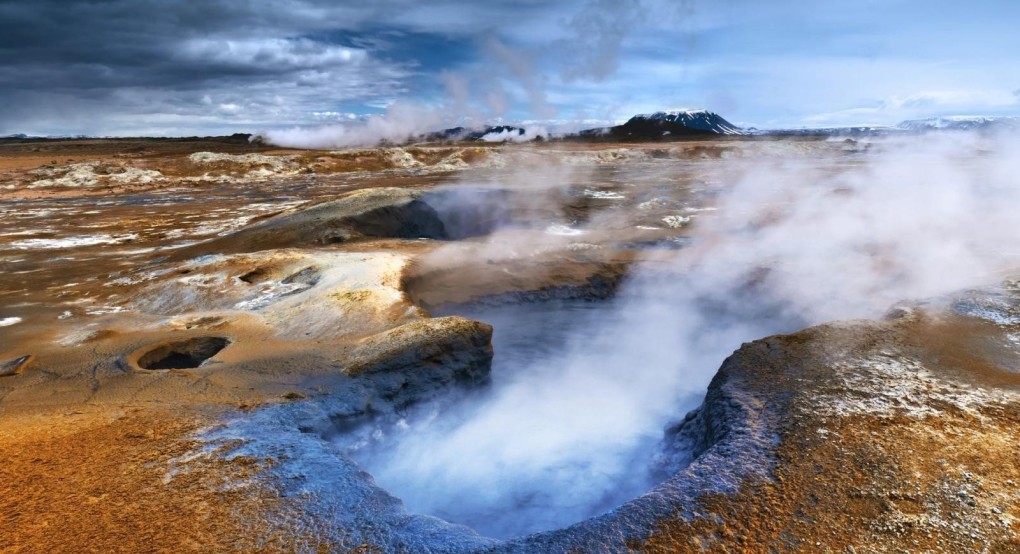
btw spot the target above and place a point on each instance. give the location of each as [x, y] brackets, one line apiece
[269, 64]
[922, 104]
[271, 53]
[955, 98]
[334, 116]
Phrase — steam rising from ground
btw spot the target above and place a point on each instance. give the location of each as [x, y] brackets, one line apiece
[571, 432]
[401, 122]
[924, 216]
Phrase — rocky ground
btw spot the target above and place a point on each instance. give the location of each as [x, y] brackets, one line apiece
[184, 323]
[884, 439]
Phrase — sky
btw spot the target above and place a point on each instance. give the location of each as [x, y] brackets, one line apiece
[187, 67]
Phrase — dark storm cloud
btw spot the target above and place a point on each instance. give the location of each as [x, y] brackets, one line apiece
[215, 66]
[148, 66]
[94, 66]
[75, 65]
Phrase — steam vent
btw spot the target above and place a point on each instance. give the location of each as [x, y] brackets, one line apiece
[453, 278]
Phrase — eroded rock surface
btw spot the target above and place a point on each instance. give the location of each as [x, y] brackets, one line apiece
[15, 366]
[832, 438]
[370, 213]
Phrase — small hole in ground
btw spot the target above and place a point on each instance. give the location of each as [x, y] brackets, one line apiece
[255, 275]
[185, 354]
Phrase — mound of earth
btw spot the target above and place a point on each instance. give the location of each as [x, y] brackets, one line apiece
[378, 212]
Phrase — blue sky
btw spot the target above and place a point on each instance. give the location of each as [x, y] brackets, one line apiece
[155, 67]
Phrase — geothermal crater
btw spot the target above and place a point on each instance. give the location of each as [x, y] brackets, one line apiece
[553, 348]
[185, 354]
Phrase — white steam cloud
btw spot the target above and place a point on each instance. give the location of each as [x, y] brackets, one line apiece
[796, 240]
[401, 123]
[511, 76]
[513, 135]
[598, 32]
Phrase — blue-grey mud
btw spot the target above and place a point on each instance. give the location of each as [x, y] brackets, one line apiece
[745, 343]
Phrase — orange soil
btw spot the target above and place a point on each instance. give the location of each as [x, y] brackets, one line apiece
[889, 483]
[101, 482]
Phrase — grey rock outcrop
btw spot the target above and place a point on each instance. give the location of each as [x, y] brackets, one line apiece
[368, 213]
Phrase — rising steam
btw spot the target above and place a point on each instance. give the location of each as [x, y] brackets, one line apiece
[794, 242]
[401, 122]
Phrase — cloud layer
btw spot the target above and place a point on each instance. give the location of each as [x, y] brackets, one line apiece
[163, 67]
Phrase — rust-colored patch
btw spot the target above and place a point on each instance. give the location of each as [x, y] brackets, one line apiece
[969, 348]
[867, 484]
[100, 482]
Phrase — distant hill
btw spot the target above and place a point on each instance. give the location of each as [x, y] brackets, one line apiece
[927, 125]
[494, 133]
[666, 125]
[236, 138]
[959, 123]
[643, 127]
[827, 132]
[701, 124]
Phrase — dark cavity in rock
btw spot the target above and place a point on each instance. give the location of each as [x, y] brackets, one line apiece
[256, 275]
[15, 366]
[470, 212]
[410, 220]
[185, 354]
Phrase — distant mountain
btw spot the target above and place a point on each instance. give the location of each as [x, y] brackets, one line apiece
[236, 138]
[495, 133]
[827, 132]
[959, 123]
[683, 120]
[499, 133]
[669, 125]
[663, 125]
[931, 124]
[453, 134]
[655, 126]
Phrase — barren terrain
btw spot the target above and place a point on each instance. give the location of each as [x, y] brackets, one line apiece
[188, 325]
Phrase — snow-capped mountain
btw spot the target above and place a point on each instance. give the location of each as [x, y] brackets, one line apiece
[663, 125]
[957, 123]
[700, 120]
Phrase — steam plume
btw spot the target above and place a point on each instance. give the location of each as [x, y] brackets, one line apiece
[793, 243]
